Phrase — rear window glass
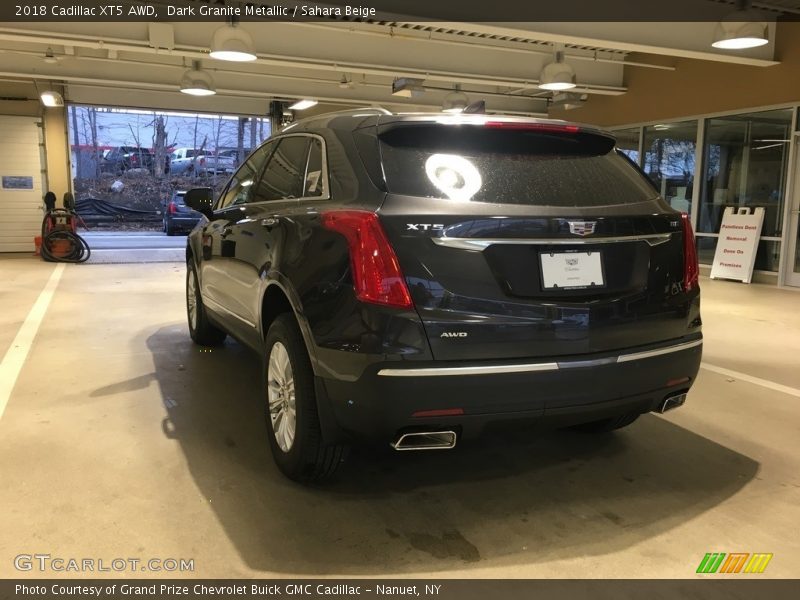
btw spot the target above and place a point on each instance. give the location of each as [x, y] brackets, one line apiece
[508, 166]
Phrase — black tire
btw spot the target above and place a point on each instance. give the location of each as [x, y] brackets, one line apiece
[169, 228]
[607, 425]
[308, 458]
[201, 331]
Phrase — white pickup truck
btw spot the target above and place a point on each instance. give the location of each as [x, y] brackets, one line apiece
[195, 162]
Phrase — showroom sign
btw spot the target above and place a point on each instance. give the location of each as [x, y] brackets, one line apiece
[737, 244]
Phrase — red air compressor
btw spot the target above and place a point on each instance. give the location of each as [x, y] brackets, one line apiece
[60, 241]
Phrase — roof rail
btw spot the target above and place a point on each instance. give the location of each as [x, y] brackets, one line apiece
[365, 110]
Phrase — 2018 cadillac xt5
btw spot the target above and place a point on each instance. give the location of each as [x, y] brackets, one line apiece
[410, 279]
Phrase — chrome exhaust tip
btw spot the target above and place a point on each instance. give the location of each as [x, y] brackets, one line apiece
[425, 440]
[672, 402]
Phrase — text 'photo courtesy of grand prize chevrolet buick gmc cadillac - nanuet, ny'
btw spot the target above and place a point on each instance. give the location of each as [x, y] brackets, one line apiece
[411, 279]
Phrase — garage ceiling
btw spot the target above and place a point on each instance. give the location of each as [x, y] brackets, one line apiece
[351, 63]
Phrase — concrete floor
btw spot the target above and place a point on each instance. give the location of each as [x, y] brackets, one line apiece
[122, 439]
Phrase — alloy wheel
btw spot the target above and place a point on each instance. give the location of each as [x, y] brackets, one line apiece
[281, 397]
[191, 298]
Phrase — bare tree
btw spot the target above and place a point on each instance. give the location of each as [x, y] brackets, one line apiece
[217, 131]
[92, 116]
[76, 141]
[240, 140]
[252, 133]
[159, 147]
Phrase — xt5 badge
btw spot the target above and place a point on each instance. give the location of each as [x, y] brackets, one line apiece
[424, 226]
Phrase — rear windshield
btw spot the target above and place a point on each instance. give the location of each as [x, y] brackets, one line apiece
[508, 166]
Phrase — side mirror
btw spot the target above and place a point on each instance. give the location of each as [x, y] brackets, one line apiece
[200, 199]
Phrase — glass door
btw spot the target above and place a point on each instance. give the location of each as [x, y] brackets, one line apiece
[793, 270]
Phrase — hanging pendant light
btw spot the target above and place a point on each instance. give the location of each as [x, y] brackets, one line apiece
[197, 82]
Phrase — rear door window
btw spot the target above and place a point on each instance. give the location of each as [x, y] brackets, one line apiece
[508, 165]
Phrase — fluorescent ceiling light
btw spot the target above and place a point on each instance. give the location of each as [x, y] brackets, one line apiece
[740, 30]
[567, 100]
[303, 104]
[455, 102]
[196, 82]
[407, 87]
[50, 57]
[557, 75]
[232, 43]
[51, 99]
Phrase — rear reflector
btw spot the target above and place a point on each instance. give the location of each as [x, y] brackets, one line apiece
[445, 412]
[678, 381]
[543, 127]
[691, 267]
[376, 271]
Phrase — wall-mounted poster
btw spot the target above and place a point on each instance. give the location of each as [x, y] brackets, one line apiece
[11, 182]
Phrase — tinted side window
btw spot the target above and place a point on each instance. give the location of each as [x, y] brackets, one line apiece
[240, 188]
[283, 177]
[315, 179]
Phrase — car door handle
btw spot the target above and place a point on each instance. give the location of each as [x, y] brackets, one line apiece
[269, 221]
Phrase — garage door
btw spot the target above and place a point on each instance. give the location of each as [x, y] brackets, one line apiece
[21, 185]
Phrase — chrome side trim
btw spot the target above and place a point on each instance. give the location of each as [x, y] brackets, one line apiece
[582, 364]
[480, 370]
[221, 309]
[534, 367]
[658, 351]
[653, 239]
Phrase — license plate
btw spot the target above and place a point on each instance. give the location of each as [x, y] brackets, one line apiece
[571, 270]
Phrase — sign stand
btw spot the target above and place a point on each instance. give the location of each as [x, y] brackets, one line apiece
[737, 244]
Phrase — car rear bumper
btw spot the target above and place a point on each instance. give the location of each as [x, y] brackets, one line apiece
[187, 221]
[391, 398]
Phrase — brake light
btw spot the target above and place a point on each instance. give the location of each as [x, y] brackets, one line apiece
[172, 208]
[543, 127]
[376, 271]
[691, 266]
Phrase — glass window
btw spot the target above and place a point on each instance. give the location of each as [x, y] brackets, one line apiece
[283, 177]
[315, 181]
[240, 187]
[628, 142]
[746, 162]
[669, 161]
[767, 254]
[509, 166]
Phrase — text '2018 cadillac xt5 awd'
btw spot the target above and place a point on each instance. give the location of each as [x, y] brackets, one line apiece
[410, 279]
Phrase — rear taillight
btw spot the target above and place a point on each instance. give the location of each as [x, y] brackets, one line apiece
[691, 267]
[543, 127]
[172, 208]
[376, 271]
